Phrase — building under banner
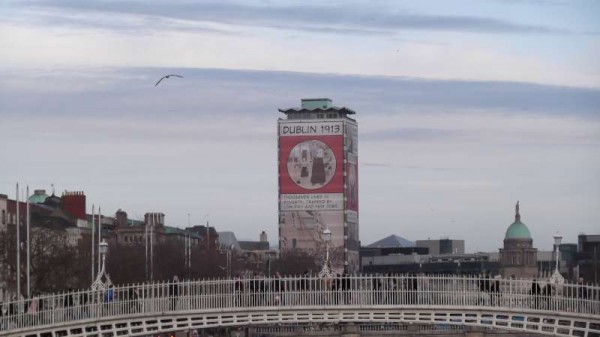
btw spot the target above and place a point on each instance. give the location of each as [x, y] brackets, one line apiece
[318, 182]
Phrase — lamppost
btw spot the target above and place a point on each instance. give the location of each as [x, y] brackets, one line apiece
[556, 277]
[457, 266]
[229, 260]
[326, 271]
[99, 284]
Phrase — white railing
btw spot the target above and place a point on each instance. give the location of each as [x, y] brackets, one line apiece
[306, 292]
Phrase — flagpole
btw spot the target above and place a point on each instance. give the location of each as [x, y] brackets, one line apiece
[146, 225]
[152, 248]
[93, 241]
[18, 249]
[187, 247]
[99, 235]
[28, 246]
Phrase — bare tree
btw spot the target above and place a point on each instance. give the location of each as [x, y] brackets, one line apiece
[295, 262]
[125, 263]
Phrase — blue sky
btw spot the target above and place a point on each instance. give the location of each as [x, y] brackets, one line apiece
[464, 107]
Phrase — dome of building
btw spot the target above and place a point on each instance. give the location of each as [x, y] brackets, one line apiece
[38, 197]
[517, 230]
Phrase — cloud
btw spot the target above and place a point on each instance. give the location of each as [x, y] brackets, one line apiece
[335, 18]
[376, 164]
[410, 134]
[127, 23]
[204, 93]
[207, 143]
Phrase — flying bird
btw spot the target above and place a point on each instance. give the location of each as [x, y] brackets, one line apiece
[167, 76]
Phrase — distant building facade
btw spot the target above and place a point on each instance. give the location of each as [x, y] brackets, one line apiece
[518, 257]
[588, 251]
[48, 219]
[417, 263]
[443, 246]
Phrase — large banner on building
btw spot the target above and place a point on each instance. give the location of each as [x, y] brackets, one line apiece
[311, 161]
[318, 188]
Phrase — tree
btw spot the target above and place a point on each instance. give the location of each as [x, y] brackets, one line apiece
[295, 262]
[55, 264]
[126, 263]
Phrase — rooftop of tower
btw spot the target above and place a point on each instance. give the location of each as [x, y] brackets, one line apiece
[318, 105]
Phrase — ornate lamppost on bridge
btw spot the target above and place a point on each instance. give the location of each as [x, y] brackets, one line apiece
[556, 277]
[99, 284]
[326, 271]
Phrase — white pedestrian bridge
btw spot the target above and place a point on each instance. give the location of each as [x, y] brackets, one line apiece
[145, 309]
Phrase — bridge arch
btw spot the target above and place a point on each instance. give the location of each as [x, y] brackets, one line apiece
[136, 310]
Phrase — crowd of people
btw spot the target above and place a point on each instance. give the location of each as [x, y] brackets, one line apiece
[307, 289]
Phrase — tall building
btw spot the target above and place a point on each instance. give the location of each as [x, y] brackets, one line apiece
[589, 257]
[518, 257]
[318, 181]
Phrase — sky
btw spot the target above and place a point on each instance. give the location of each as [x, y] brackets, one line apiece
[464, 107]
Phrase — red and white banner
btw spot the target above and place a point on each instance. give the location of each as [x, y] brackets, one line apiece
[311, 164]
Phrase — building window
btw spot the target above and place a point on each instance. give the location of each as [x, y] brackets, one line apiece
[4, 217]
[294, 242]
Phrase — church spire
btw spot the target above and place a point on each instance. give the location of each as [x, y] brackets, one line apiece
[517, 215]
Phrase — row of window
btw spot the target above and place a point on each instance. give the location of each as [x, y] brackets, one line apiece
[139, 238]
[517, 259]
[11, 217]
[132, 238]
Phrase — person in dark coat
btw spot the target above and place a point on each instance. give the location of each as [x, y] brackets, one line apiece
[68, 300]
[484, 285]
[83, 302]
[254, 291]
[346, 287]
[535, 292]
[12, 307]
[132, 297]
[413, 286]
[174, 293]
[278, 289]
[495, 291]
[68, 303]
[581, 290]
[377, 285]
[239, 290]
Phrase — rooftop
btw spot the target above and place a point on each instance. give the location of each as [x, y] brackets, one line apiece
[319, 105]
[517, 230]
[254, 245]
[392, 241]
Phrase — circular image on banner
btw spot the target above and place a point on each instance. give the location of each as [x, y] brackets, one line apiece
[311, 164]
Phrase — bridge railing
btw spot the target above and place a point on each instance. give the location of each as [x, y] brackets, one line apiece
[310, 292]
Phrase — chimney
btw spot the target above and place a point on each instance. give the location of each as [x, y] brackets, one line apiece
[156, 218]
[263, 237]
[74, 203]
[121, 218]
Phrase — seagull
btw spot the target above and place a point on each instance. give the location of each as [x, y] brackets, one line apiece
[167, 76]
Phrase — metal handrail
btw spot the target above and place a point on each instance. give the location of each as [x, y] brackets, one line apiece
[518, 295]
